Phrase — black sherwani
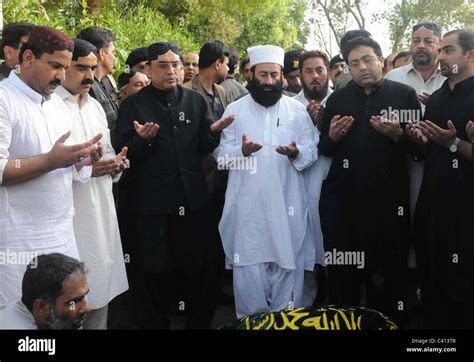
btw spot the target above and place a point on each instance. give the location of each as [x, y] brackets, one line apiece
[444, 216]
[168, 198]
[364, 199]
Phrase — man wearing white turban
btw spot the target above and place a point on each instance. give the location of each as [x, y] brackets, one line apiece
[265, 215]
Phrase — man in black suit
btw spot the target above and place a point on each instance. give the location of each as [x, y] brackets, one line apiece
[167, 129]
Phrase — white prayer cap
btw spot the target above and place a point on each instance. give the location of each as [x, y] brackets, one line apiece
[266, 54]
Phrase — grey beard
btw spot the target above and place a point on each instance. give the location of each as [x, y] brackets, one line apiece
[55, 322]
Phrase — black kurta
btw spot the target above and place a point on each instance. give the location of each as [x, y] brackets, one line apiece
[368, 179]
[168, 200]
[166, 173]
[444, 216]
[364, 203]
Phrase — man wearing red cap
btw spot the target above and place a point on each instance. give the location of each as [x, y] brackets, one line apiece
[36, 167]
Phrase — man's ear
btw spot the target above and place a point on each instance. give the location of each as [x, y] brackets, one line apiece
[470, 55]
[8, 51]
[217, 64]
[382, 59]
[28, 58]
[101, 55]
[41, 310]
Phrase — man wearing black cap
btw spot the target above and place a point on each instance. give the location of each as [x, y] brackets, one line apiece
[336, 68]
[131, 82]
[13, 36]
[137, 59]
[36, 167]
[167, 128]
[291, 72]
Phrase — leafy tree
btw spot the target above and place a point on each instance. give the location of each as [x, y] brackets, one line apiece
[449, 14]
[240, 23]
[339, 15]
[189, 23]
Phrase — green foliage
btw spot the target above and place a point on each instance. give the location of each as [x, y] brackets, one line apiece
[134, 24]
[189, 23]
[240, 23]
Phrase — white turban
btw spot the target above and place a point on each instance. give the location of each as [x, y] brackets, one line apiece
[266, 54]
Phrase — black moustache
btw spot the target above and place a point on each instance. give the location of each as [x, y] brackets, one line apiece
[55, 82]
[87, 82]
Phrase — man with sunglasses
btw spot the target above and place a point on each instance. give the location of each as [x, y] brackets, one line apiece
[167, 128]
[13, 36]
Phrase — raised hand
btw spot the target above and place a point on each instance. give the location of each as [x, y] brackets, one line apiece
[291, 150]
[388, 127]
[249, 147]
[443, 137]
[470, 130]
[316, 112]
[339, 127]
[62, 156]
[146, 131]
[112, 166]
[222, 123]
[424, 98]
[415, 134]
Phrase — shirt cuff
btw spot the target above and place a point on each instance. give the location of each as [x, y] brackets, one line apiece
[304, 158]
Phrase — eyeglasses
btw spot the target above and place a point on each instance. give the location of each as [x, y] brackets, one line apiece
[367, 60]
[164, 65]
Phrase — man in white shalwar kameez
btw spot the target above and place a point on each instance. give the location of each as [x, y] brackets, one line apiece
[36, 167]
[264, 220]
[95, 220]
[314, 77]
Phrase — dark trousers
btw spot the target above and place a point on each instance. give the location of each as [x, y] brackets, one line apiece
[172, 262]
[384, 289]
[441, 311]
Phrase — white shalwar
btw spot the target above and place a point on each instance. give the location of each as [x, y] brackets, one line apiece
[36, 215]
[314, 242]
[95, 221]
[264, 220]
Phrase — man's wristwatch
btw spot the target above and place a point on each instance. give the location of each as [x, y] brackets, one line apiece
[454, 147]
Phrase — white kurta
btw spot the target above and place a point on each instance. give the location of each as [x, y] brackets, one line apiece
[35, 216]
[313, 244]
[314, 177]
[265, 212]
[95, 221]
[15, 315]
